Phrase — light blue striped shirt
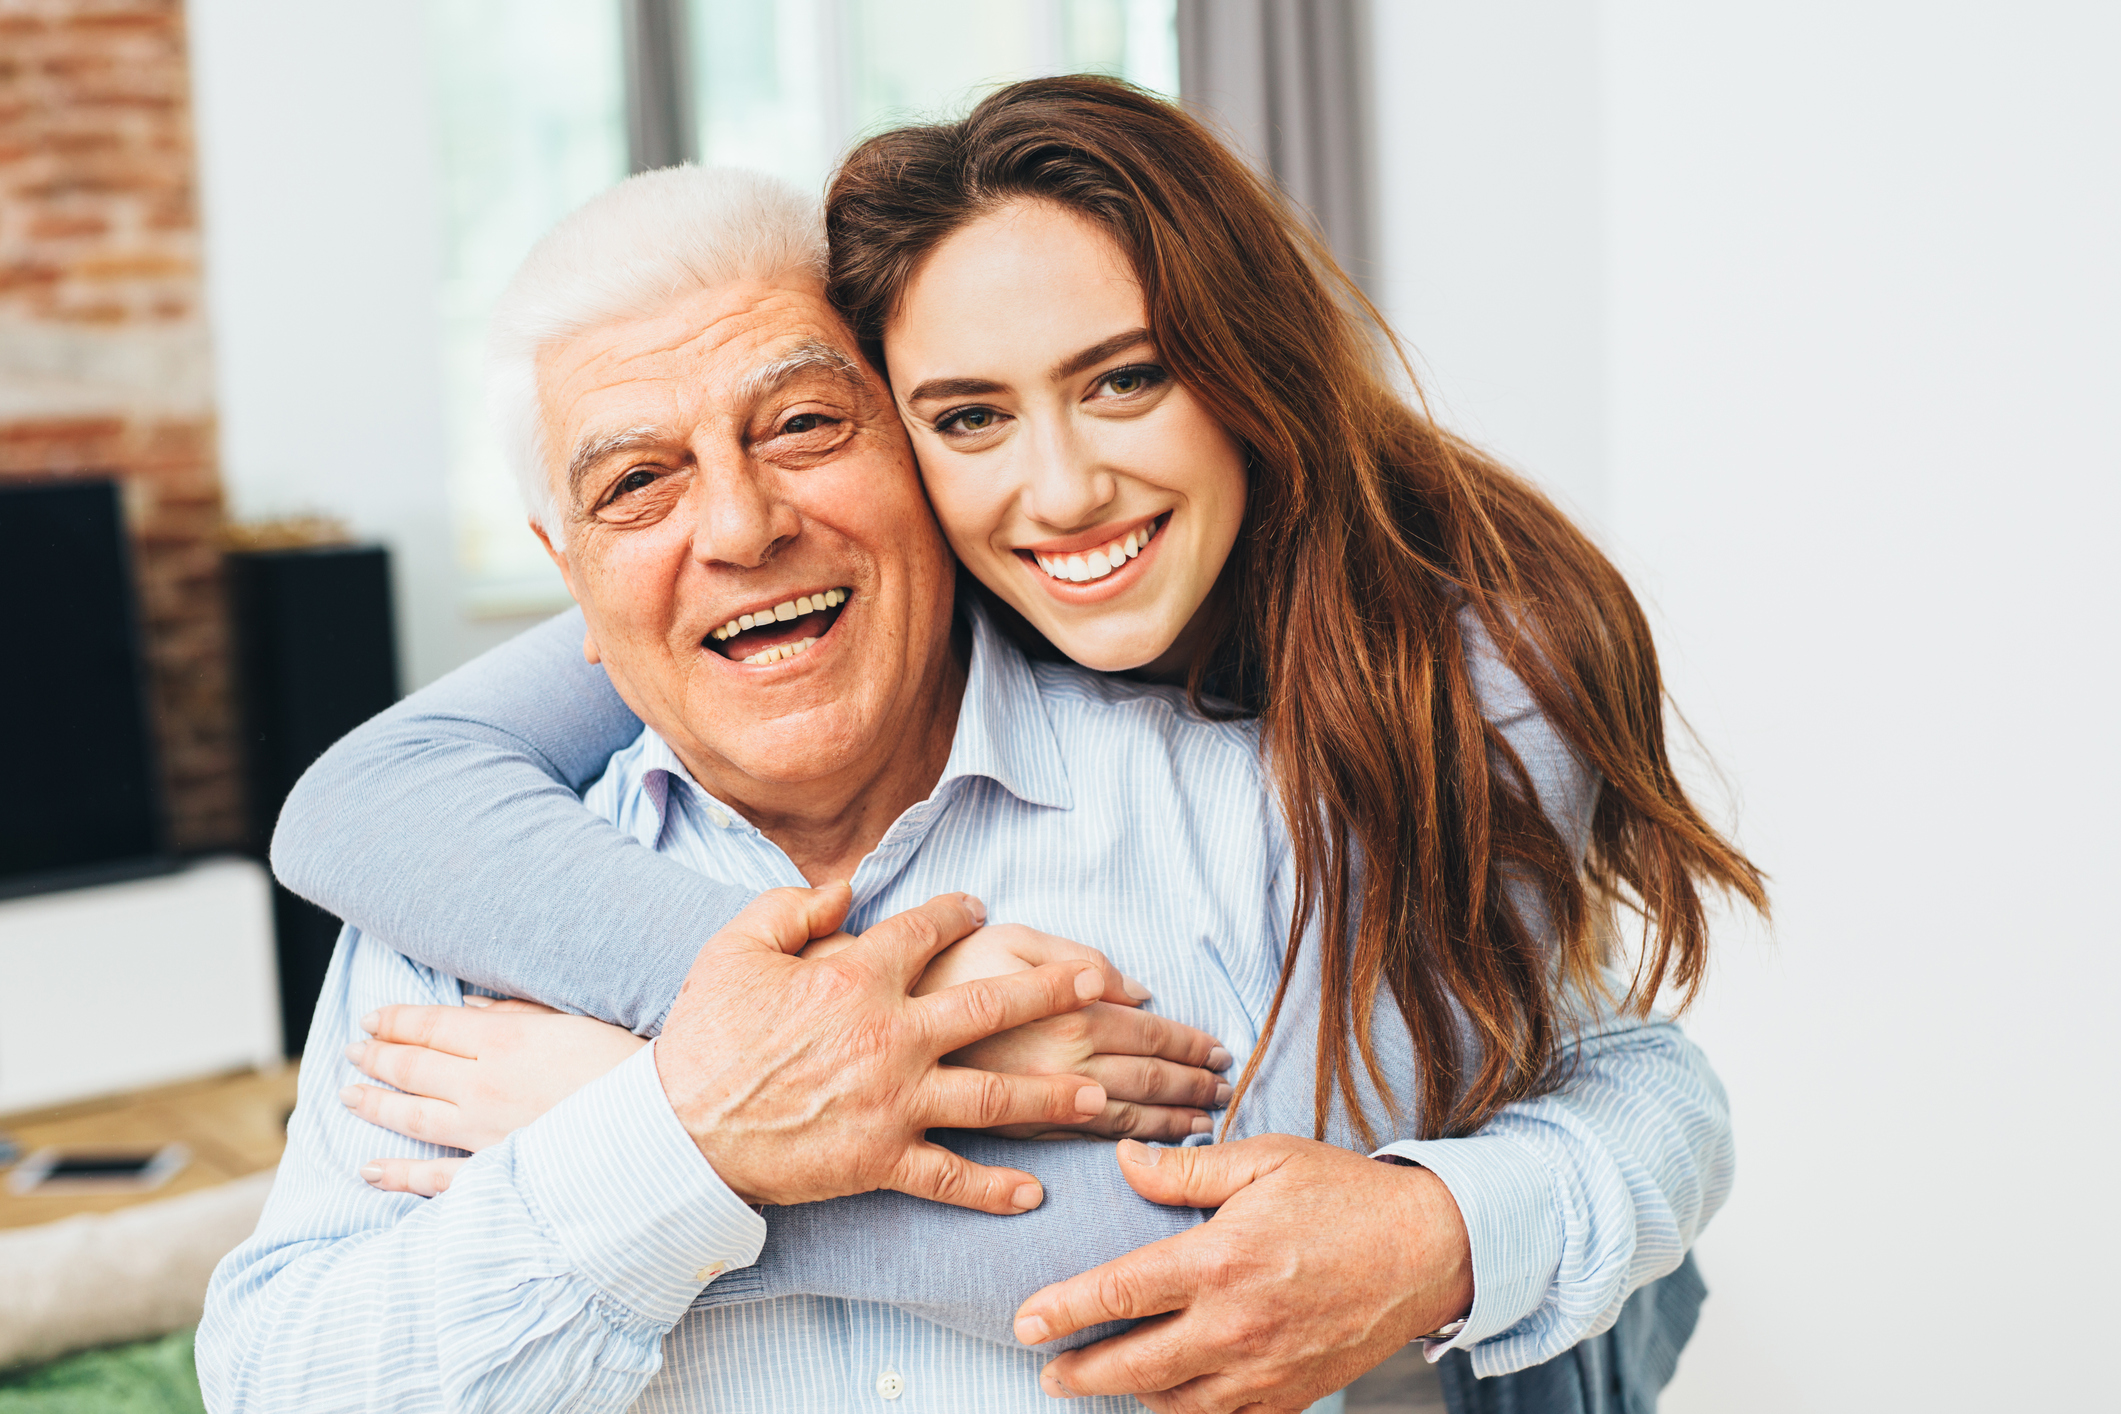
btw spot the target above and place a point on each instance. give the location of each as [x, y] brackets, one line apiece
[593, 1260]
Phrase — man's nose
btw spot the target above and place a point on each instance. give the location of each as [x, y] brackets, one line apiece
[740, 518]
[1065, 486]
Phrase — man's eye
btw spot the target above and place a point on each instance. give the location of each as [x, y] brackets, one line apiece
[638, 479]
[803, 422]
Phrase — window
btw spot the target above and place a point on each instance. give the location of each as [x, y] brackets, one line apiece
[532, 105]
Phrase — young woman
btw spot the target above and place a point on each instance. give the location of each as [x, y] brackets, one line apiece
[1161, 431]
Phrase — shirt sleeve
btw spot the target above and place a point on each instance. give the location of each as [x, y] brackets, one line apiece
[452, 825]
[1575, 1199]
[956, 1267]
[547, 1276]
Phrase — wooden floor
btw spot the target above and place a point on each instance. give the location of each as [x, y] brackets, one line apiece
[233, 1124]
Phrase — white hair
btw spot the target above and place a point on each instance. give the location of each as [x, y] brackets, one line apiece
[626, 254]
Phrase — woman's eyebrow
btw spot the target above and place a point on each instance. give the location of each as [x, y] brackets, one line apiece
[1098, 353]
[1067, 368]
[953, 388]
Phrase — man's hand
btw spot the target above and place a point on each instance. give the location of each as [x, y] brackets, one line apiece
[1318, 1265]
[808, 1078]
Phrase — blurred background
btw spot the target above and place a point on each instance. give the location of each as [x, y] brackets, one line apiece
[1811, 312]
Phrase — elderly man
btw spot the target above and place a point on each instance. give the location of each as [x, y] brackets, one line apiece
[719, 451]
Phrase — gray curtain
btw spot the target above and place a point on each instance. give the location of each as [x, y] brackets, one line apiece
[659, 125]
[1285, 78]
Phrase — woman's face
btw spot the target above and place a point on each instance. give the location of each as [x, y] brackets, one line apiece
[1070, 472]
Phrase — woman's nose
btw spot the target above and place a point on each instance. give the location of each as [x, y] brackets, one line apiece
[1065, 486]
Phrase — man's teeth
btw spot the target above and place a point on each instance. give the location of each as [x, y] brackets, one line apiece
[782, 613]
[1080, 569]
[780, 651]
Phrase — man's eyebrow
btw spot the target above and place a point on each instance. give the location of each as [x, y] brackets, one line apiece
[589, 454]
[1067, 368]
[809, 354]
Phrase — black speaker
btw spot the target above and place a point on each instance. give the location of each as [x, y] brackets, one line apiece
[79, 798]
[316, 656]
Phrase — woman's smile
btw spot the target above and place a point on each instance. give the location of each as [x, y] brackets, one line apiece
[1094, 567]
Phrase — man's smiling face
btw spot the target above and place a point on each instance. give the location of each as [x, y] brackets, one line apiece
[731, 463]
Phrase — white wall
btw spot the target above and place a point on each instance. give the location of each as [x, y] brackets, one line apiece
[322, 220]
[179, 981]
[1490, 236]
[1860, 351]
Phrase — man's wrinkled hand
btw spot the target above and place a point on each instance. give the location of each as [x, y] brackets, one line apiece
[1317, 1265]
[802, 1079]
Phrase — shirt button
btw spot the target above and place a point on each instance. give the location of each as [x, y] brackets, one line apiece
[720, 818]
[709, 1273]
[889, 1385]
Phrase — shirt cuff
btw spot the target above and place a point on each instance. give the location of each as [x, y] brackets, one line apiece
[1506, 1197]
[629, 1198]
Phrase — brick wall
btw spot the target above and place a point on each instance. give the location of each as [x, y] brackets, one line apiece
[103, 349]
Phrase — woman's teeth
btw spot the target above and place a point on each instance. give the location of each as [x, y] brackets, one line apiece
[782, 613]
[1081, 569]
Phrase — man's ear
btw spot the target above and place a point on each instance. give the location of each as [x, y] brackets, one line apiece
[590, 652]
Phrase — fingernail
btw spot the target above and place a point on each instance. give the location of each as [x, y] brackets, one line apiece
[369, 1022]
[1051, 1384]
[1090, 1100]
[474, 999]
[350, 1096]
[1218, 1059]
[1088, 985]
[1133, 1151]
[355, 1050]
[1030, 1330]
[1202, 1124]
[1134, 989]
[372, 1172]
[977, 909]
[1026, 1197]
[1223, 1094]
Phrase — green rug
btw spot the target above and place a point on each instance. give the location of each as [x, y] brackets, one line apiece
[149, 1377]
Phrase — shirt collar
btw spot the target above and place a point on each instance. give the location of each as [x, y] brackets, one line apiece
[1002, 732]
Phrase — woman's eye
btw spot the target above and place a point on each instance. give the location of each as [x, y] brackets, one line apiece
[967, 420]
[1127, 381]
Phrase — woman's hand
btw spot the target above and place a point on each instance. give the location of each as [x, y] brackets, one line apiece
[1160, 1076]
[469, 1076]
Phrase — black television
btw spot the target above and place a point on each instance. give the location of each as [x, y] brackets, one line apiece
[80, 800]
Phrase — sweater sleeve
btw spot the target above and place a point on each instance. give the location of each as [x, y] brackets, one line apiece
[453, 826]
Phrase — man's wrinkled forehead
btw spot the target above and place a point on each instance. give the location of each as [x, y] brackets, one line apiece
[717, 350]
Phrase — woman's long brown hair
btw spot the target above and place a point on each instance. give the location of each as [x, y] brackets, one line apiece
[1368, 532]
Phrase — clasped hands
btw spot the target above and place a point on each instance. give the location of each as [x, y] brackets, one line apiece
[807, 1064]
